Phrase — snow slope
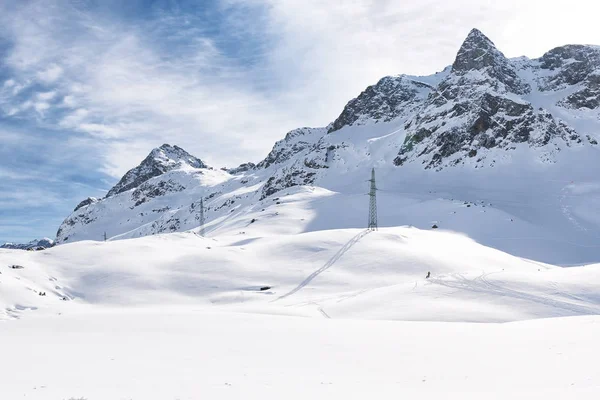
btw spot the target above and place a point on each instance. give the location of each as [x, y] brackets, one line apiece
[347, 273]
[178, 316]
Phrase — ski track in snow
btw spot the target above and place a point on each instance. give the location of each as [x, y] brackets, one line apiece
[327, 265]
[566, 209]
[481, 284]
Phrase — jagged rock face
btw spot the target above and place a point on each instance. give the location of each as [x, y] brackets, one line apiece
[569, 65]
[484, 104]
[295, 142]
[588, 96]
[390, 98]
[241, 168]
[288, 178]
[573, 65]
[151, 190]
[479, 53]
[298, 158]
[160, 160]
[303, 171]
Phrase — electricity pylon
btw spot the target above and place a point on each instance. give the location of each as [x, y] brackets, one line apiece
[373, 203]
[201, 216]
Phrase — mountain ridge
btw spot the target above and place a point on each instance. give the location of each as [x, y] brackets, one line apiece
[35, 244]
[503, 117]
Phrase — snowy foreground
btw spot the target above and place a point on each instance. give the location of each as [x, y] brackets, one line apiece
[328, 314]
[193, 354]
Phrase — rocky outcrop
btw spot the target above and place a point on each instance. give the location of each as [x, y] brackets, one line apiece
[569, 65]
[160, 160]
[390, 98]
[86, 202]
[245, 167]
[295, 142]
[151, 190]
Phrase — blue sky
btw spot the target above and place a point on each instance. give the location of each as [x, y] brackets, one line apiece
[89, 87]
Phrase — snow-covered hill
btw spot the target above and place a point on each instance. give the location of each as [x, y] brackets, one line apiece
[348, 273]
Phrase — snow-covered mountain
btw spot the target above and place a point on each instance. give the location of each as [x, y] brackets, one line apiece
[36, 244]
[503, 150]
[160, 160]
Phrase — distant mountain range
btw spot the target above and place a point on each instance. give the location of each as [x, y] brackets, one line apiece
[37, 244]
[519, 135]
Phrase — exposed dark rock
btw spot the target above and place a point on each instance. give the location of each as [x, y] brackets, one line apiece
[241, 168]
[295, 142]
[482, 99]
[479, 53]
[159, 161]
[588, 97]
[86, 202]
[388, 99]
[571, 64]
[150, 190]
[286, 179]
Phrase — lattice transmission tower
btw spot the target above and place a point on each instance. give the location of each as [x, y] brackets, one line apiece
[202, 220]
[372, 203]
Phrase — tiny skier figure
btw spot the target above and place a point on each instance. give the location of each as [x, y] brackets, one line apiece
[428, 275]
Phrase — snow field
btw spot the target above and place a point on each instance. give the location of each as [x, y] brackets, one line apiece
[187, 354]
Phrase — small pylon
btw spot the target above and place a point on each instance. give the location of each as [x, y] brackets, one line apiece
[202, 216]
[372, 203]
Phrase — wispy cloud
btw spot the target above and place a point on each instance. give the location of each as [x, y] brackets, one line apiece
[97, 84]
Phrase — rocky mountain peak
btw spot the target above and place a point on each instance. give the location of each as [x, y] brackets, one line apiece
[160, 160]
[485, 104]
[476, 52]
[167, 154]
[479, 53]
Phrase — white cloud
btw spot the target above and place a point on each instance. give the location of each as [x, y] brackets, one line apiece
[46, 95]
[50, 74]
[69, 101]
[41, 106]
[310, 57]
